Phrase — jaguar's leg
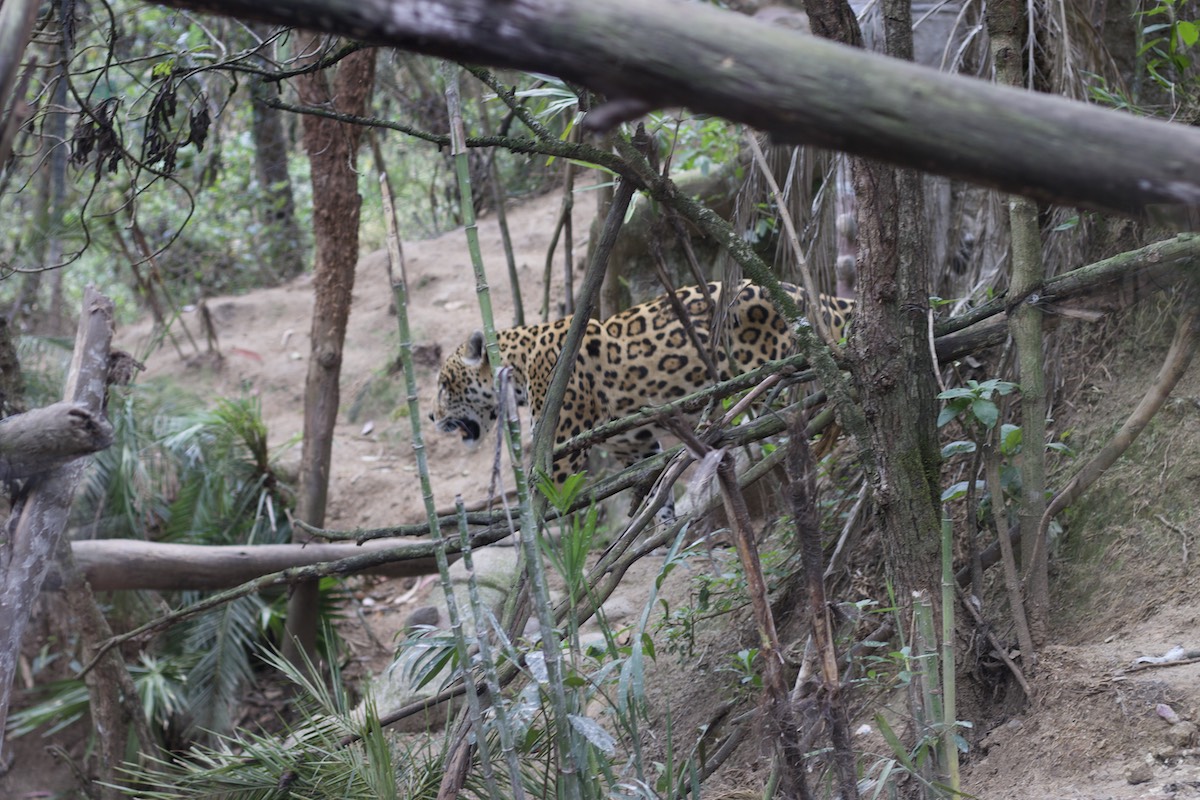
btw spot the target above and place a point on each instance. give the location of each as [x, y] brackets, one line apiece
[632, 447]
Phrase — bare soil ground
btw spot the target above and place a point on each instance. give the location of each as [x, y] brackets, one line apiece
[1122, 573]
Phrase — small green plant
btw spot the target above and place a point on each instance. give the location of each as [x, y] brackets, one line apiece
[1168, 43]
[745, 668]
[328, 750]
[717, 590]
[915, 667]
[205, 477]
[974, 405]
[161, 682]
[699, 142]
[976, 399]
[1009, 445]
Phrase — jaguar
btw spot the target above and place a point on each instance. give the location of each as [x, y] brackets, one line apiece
[638, 357]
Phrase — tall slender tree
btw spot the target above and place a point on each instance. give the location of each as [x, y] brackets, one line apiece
[891, 363]
[285, 243]
[332, 148]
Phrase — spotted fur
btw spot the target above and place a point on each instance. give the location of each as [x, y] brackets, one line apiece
[640, 357]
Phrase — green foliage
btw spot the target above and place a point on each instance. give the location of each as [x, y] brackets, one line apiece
[220, 643]
[569, 554]
[909, 670]
[551, 101]
[180, 475]
[976, 400]
[1009, 446]
[717, 590]
[1169, 40]
[603, 680]
[160, 683]
[701, 143]
[159, 148]
[202, 477]
[745, 666]
[1168, 48]
[44, 365]
[311, 758]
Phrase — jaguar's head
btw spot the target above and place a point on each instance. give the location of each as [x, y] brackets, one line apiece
[466, 399]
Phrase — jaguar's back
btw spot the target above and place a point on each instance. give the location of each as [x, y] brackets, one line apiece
[639, 357]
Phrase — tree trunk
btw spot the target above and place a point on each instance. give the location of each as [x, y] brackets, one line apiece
[1005, 21]
[35, 527]
[891, 366]
[124, 564]
[332, 147]
[284, 239]
[12, 380]
[894, 373]
[890, 359]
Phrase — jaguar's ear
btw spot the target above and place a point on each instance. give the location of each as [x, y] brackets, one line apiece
[474, 355]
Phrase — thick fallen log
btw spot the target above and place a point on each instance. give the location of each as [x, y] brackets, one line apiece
[122, 564]
[648, 54]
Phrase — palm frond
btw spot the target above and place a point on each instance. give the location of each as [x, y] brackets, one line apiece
[310, 758]
[224, 637]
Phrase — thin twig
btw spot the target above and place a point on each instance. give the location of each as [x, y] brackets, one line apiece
[997, 647]
[1184, 534]
[1012, 582]
[815, 317]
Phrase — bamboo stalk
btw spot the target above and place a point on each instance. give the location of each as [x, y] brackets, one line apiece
[458, 150]
[1012, 580]
[400, 294]
[571, 766]
[570, 784]
[949, 688]
[1004, 20]
[498, 197]
[487, 663]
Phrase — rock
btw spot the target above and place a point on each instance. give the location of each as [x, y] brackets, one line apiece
[1139, 773]
[1182, 735]
[495, 571]
[425, 615]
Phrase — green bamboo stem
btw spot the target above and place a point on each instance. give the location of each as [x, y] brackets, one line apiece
[474, 707]
[487, 664]
[499, 196]
[928, 710]
[400, 294]
[1005, 21]
[570, 768]
[949, 688]
[458, 151]
[570, 765]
